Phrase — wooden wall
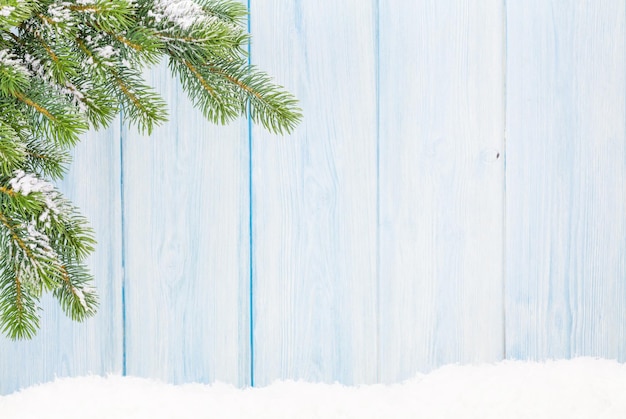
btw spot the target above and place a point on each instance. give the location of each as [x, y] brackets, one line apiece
[456, 193]
[565, 282]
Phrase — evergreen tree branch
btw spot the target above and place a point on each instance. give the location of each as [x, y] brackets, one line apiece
[76, 297]
[14, 76]
[47, 19]
[46, 159]
[33, 257]
[139, 102]
[231, 11]
[60, 121]
[223, 89]
[39, 108]
[67, 65]
[14, 12]
[10, 192]
[18, 309]
[12, 150]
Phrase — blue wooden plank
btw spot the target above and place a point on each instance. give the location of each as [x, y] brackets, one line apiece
[566, 179]
[314, 196]
[441, 184]
[63, 347]
[186, 246]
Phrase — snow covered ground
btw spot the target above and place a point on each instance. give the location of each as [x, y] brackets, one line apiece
[581, 388]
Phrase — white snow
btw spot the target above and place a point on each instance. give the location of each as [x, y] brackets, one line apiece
[59, 12]
[106, 51]
[10, 60]
[25, 183]
[181, 12]
[78, 98]
[37, 67]
[81, 297]
[5, 11]
[580, 388]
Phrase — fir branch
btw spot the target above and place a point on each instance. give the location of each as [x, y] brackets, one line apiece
[271, 105]
[100, 108]
[14, 76]
[12, 150]
[106, 15]
[69, 65]
[14, 12]
[51, 53]
[10, 192]
[17, 205]
[223, 89]
[46, 158]
[22, 98]
[205, 84]
[137, 47]
[140, 103]
[31, 253]
[60, 121]
[18, 309]
[231, 11]
[47, 19]
[71, 236]
[85, 8]
[14, 234]
[78, 300]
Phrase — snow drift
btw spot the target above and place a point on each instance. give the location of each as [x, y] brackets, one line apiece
[580, 388]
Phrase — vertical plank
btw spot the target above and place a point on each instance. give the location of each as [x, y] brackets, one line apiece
[441, 184]
[566, 179]
[314, 196]
[186, 246]
[63, 347]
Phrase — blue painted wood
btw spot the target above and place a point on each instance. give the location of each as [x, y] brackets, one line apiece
[186, 247]
[314, 196]
[63, 347]
[441, 184]
[566, 179]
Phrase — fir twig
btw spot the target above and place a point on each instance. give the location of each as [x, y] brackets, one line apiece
[67, 66]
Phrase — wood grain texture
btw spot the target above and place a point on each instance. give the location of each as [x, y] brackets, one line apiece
[566, 179]
[314, 196]
[63, 347]
[441, 184]
[186, 218]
